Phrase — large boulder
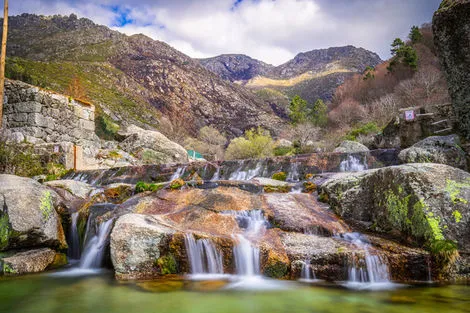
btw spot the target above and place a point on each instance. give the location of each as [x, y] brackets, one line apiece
[423, 203]
[31, 261]
[151, 146]
[436, 149]
[77, 188]
[451, 28]
[136, 245]
[28, 216]
[348, 146]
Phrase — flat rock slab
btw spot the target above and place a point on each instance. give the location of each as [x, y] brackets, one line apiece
[32, 261]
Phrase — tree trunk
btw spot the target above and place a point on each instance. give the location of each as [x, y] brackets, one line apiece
[3, 56]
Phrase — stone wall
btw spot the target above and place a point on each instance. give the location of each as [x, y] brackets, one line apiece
[38, 116]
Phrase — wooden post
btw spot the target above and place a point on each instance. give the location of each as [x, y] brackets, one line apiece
[3, 56]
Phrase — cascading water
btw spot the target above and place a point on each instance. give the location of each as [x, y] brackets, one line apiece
[216, 175]
[293, 174]
[353, 164]
[247, 174]
[307, 273]
[203, 257]
[246, 252]
[93, 253]
[74, 244]
[371, 269]
[178, 173]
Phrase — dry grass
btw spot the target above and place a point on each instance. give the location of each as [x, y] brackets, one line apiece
[261, 81]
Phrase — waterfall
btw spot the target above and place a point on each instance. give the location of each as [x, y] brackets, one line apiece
[179, 172]
[247, 174]
[74, 244]
[353, 164]
[307, 273]
[293, 174]
[246, 253]
[371, 269]
[203, 257]
[216, 174]
[93, 253]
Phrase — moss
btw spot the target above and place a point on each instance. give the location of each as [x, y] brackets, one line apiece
[397, 207]
[142, 187]
[114, 154]
[118, 194]
[457, 215]
[323, 197]
[60, 260]
[167, 265]
[276, 269]
[282, 176]
[46, 205]
[454, 188]
[5, 231]
[309, 176]
[7, 269]
[280, 189]
[177, 183]
[309, 186]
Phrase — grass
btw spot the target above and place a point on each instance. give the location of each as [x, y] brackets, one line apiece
[261, 81]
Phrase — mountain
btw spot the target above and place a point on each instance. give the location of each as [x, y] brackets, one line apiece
[131, 78]
[312, 75]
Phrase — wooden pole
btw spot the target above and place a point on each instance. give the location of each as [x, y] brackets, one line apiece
[3, 56]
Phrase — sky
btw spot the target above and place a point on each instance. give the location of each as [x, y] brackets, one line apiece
[273, 31]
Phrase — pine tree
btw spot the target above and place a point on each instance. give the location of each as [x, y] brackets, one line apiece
[298, 110]
[318, 115]
[415, 35]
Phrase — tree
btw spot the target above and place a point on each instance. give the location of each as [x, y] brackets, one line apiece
[298, 110]
[369, 73]
[415, 35]
[318, 115]
[210, 143]
[256, 143]
[403, 54]
[3, 56]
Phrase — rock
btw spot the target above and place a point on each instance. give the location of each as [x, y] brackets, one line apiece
[302, 213]
[32, 261]
[451, 28]
[136, 242]
[152, 147]
[28, 217]
[348, 146]
[436, 149]
[423, 203]
[284, 143]
[75, 187]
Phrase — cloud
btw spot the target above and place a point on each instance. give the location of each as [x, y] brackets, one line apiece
[273, 31]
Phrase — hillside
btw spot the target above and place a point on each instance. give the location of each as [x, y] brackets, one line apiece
[312, 75]
[130, 78]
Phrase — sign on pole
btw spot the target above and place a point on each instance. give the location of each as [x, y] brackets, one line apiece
[410, 115]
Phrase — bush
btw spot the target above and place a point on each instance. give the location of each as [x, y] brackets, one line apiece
[255, 144]
[284, 151]
[177, 183]
[105, 127]
[365, 129]
[282, 176]
[19, 160]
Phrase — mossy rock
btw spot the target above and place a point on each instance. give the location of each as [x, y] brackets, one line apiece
[282, 176]
[177, 184]
[167, 265]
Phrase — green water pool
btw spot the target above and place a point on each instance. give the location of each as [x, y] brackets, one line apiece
[102, 294]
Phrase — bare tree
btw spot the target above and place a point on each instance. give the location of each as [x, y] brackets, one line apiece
[2, 58]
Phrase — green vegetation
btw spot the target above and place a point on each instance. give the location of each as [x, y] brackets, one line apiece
[4, 231]
[46, 205]
[105, 127]
[454, 188]
[55, 171]
[19, 160]
[298, 110]
[257, 143]
[282, 176]
[284, 151]
[318, 115]
[369, 73]
[364, 129]
[457, 215]
[444, 252]
[7, 269]
[177, 183]
[142, 187]
[167, 265]
[415, 35]
[403, 54]
[300, 113]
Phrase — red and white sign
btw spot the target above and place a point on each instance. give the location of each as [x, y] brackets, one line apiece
[409, 115]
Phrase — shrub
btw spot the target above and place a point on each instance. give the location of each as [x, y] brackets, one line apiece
[105, 128]
[177, 183]
[282, 176]
[255, 144]
[284, 151]
[19, 160]
[365, 129]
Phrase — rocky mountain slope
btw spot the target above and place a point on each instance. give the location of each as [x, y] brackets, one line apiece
[312, 75]
[130, 78]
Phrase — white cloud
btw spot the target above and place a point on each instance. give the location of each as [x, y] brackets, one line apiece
[270, 30]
